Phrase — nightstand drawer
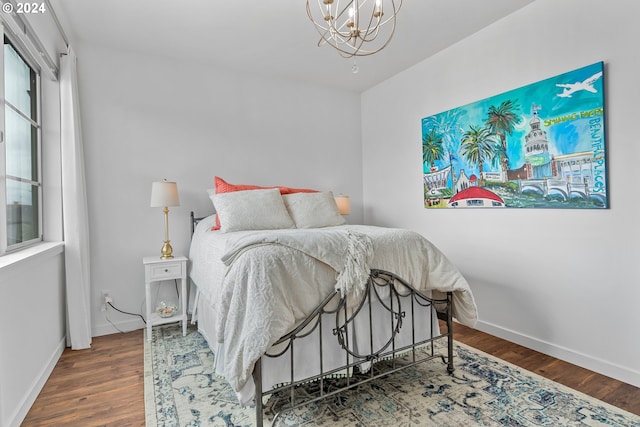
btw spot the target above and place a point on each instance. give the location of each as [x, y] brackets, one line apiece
[167, 270]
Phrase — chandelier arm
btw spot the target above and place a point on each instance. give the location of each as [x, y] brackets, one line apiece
[331, 37]
[334, 18]
[376, 32]
[344, 9]
[393, 15]
[363, 35]
[352, 50]
[382, 23]
[333, 31]
[328, 34]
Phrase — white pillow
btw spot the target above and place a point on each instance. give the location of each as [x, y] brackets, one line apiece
[313, 210]
[252, 210]
[211, 192]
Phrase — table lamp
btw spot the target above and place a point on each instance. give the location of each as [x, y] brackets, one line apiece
[344, 205]
[164, 194]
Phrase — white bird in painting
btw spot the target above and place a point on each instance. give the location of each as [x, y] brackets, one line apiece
[584, 85]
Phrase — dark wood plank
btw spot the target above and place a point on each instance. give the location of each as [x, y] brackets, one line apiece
[104, 386]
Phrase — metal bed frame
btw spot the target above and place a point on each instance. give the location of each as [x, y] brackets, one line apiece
[390, 292]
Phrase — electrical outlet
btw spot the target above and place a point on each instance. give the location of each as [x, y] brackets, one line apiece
[106, 298]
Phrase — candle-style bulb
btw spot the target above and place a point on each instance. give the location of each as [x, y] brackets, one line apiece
[377, 9]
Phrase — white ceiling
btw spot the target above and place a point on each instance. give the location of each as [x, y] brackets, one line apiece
[273, 37]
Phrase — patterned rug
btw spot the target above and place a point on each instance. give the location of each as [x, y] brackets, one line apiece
[181, 390]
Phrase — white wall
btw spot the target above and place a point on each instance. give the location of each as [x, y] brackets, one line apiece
[32, 332]
[564, 282]
[32, 293]
[147, 118]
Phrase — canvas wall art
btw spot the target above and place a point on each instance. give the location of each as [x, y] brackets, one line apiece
[538, 146]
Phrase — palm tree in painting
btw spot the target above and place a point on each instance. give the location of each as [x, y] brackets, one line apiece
[448, 126]
[498, 153]
[432, 148]
[477, 146]
[501, 121]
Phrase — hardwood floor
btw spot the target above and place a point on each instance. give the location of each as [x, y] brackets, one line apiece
[104, 386]
[101, 386]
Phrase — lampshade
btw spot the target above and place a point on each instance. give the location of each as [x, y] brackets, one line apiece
[344, 205]
[164, 193]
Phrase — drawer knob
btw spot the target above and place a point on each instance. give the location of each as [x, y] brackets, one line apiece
[166, 270]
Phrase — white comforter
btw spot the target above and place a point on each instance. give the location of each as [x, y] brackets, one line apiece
[274, 279]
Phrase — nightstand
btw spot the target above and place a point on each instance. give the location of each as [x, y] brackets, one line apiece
[157, 270]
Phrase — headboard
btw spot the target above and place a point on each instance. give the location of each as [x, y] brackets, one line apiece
[194, 221]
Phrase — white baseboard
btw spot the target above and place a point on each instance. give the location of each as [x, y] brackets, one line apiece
[600, 366]
[126, 325]
[117, 327]
[22, 410]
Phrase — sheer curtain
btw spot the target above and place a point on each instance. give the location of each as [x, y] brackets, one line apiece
[74, 205]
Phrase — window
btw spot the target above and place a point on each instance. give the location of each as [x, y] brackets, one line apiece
[20, 152]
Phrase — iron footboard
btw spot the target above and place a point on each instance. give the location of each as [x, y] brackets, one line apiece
[390, 292]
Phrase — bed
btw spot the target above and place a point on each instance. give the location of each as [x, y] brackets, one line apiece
[287, 293]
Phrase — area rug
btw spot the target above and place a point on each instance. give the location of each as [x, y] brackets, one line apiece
[182, 390]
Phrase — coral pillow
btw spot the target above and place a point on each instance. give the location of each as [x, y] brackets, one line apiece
[223, 186]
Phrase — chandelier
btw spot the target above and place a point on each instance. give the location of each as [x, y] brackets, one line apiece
[354, 27]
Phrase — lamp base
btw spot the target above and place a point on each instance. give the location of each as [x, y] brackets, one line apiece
[166, 251]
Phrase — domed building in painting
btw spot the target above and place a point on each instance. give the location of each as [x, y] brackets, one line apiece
[537, 150]
[476, 197]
